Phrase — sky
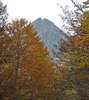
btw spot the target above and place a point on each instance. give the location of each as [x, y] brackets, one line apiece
[33, 9]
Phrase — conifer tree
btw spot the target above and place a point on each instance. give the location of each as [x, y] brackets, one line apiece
[75, 55]
[30, 73]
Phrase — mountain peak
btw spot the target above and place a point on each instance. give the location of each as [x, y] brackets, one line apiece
[49, 33]
[42, 20]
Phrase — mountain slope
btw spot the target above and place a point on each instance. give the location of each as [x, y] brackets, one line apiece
[49, 33]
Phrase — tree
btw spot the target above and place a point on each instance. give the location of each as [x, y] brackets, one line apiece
[4, 44]
[75, 55]
[30, 73]
[3, 16]
[3, 36]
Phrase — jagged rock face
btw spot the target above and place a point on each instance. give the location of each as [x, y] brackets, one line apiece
[49, 33]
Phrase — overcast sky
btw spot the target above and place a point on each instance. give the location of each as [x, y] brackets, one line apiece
[33, 9]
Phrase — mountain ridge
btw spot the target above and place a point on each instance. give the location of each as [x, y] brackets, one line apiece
[49, 33]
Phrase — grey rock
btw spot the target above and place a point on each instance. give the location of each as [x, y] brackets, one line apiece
[49, 33]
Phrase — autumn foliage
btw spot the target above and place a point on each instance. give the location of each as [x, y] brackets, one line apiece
[74, 55]
[26, 69]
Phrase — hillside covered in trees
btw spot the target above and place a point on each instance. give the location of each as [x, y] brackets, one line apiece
[27, 71]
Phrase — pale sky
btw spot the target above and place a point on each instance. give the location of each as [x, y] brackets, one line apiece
[33, 9]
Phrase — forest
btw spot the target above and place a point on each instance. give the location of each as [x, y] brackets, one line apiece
[26, 70]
